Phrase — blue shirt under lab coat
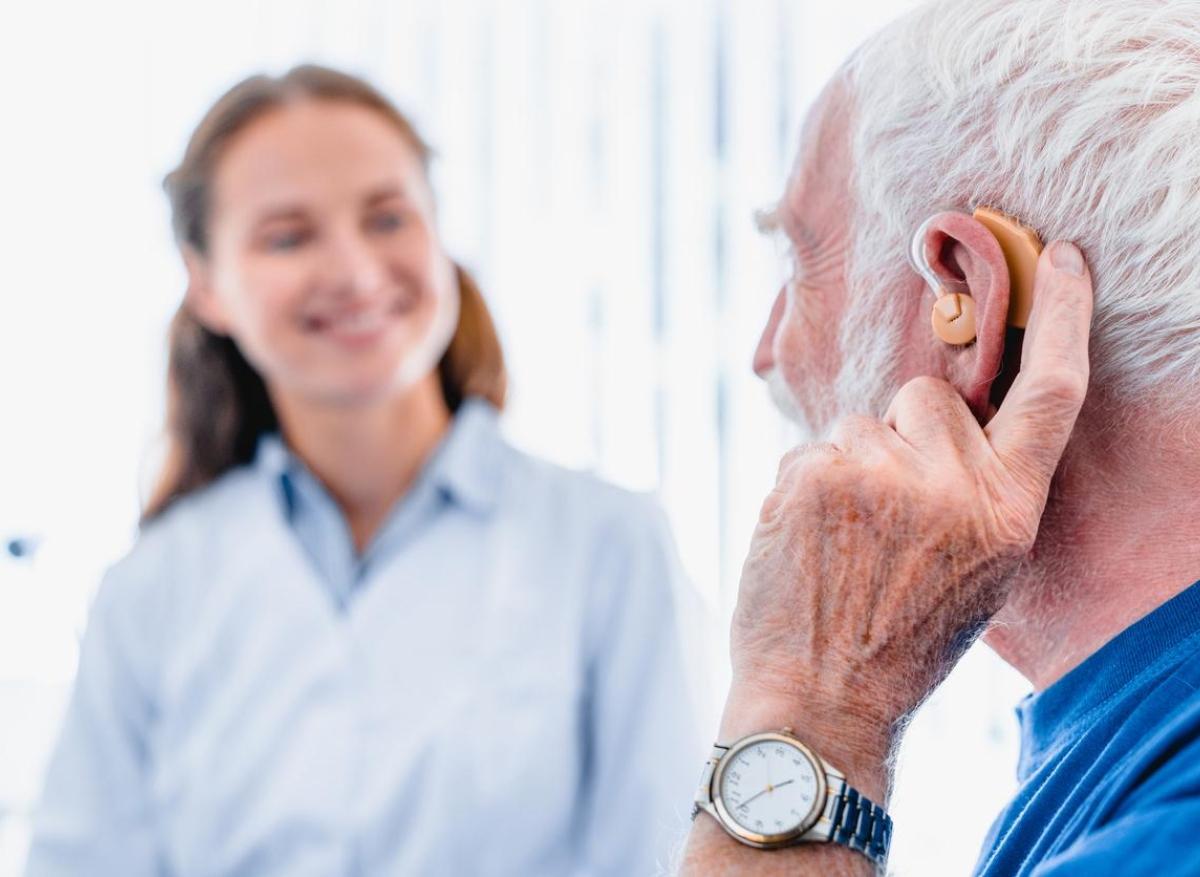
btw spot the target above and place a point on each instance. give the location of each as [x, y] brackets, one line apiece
[497, 686]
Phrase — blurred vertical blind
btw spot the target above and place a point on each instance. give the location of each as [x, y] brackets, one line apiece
[599, 165]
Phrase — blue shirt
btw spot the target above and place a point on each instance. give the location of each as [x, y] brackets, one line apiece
[1110, 761]
[497, 686]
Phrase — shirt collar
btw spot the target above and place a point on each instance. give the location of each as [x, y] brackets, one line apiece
[1120, 670]
[465, 466]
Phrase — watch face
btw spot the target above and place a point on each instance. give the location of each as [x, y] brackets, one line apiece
[770, 787]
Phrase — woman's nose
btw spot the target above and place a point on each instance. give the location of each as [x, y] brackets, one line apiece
[764, 355]
[355, 268]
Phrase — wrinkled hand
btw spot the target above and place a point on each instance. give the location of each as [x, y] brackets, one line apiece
[879, 555]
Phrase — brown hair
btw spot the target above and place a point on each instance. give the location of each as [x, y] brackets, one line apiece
[217, 404]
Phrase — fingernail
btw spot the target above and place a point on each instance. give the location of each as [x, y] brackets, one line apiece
[1067, 259]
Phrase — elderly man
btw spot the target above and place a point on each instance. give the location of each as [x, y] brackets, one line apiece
[949, 498]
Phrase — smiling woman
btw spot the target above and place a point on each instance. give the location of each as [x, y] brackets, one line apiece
[320, 132]
[318, 657]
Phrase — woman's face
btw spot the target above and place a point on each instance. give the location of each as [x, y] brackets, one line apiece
[324, 264]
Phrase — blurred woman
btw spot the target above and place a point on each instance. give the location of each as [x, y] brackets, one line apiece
[360, 633]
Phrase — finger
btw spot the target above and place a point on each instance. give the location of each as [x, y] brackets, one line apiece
[865, 437]
[1031, 429]
[932, 417]
[804, 455]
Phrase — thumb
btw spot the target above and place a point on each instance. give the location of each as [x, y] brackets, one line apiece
[1030, 431]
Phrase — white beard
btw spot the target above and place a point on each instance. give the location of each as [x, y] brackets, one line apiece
[785, 402]
[865, 383]
[855, 390]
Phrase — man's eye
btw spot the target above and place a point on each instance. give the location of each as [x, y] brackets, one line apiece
[795, 267]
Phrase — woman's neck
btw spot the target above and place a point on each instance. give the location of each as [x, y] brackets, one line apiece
[366, 456]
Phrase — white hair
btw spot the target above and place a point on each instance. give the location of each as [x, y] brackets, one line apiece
[1081, 117]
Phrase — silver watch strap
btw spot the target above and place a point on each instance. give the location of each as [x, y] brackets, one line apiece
[859, 823]
[704, 793]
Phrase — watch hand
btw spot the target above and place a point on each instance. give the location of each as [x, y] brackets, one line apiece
[746, 803]
[769, 788]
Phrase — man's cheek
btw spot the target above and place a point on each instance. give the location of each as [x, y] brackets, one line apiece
[798, 368]
[807, 351]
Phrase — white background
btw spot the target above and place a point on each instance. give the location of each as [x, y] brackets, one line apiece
[600, 162]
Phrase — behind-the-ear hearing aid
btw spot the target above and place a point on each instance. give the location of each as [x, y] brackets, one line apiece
[954, 310]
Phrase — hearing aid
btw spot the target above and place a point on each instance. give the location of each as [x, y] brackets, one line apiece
[953, 315]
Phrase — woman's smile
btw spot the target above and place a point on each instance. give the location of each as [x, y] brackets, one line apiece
[361, 326]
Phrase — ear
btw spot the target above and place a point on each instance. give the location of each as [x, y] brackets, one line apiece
[201, 299]
[963, 253]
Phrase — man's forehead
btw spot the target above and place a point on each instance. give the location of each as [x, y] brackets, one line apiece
[822, 164]
[827, 126]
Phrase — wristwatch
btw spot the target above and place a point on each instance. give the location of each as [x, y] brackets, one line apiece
[769, 791]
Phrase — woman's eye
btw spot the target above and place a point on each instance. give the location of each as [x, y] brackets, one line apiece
[386, 222]
[286, 240]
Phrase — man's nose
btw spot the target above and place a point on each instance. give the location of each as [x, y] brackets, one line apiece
[764, 355]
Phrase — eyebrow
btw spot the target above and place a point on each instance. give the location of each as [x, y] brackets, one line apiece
[286, 212]
[778, 220]
[280, 214]
[768, 220]
[386, 191]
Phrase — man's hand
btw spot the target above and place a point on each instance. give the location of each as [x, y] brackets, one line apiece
[879, 556]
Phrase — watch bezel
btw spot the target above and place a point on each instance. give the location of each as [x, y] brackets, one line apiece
[767, 841]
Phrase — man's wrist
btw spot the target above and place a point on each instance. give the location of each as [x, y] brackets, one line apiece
[860, 749]
[855, 744]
